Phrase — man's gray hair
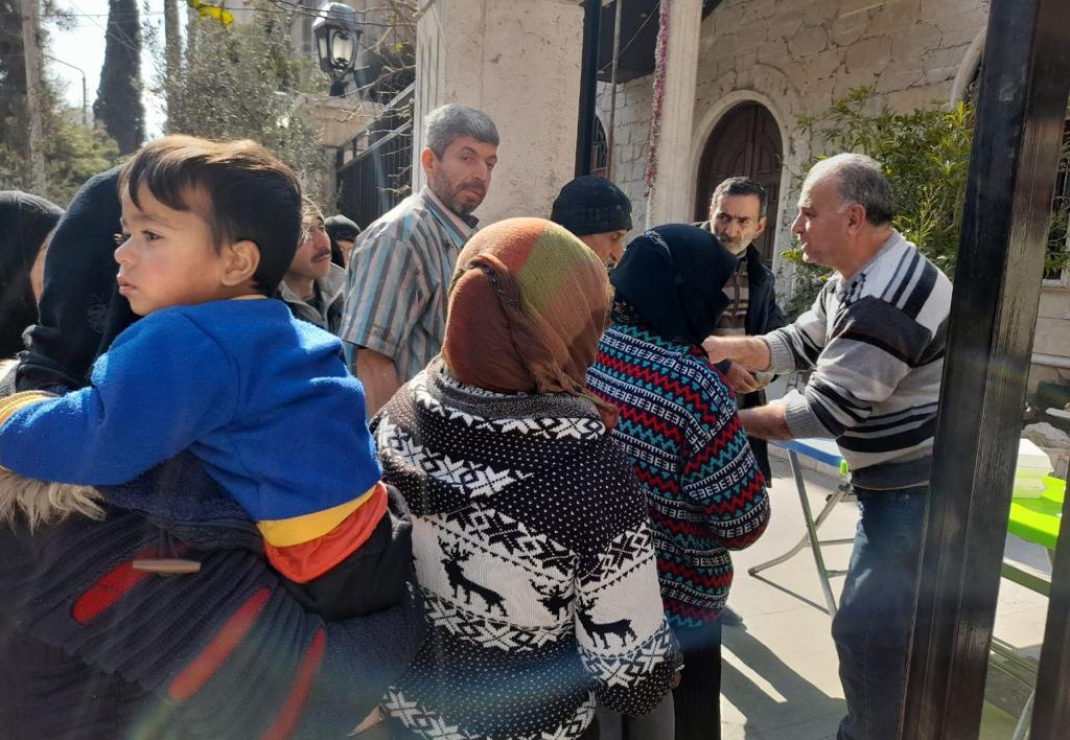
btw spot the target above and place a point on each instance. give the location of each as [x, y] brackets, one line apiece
[448, 122]
[859, 179]
[740, 185]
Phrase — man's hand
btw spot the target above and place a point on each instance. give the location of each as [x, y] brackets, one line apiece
[716, 349]
[750, 352]
[740, 380]
[676, 678]
[379, 376]
[766, 422]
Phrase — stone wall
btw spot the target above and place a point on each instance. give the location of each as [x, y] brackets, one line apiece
[1053, 334]
[796, 57]
[635, 102]
[518, 60]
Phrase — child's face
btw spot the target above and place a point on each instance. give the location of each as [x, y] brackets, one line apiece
[167, 257]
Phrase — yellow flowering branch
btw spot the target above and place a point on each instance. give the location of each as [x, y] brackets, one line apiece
[207, 10]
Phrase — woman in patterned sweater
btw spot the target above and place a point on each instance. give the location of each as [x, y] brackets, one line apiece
[680, 427]
[530, 536]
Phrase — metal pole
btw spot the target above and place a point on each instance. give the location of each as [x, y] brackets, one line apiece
[31, 46]
[1021, 111]
[85, 87]
[172, 54]
[613, 91]
[592, 22]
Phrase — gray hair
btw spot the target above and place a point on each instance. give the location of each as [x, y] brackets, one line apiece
[743, 186]
[859, 180]
[447, 122]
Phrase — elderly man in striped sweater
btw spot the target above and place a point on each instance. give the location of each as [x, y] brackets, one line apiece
[875, 341]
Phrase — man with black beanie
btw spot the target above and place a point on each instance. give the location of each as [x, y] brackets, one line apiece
[343, 233]
[598, 212]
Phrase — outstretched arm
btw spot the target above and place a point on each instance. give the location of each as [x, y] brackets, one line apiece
[766, 422]
[162, 386]
[750, 352]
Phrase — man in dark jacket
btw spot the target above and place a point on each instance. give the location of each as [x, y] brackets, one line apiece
[737, 218]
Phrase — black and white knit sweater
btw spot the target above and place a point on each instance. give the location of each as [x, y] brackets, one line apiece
[876, 344]
[535, 560]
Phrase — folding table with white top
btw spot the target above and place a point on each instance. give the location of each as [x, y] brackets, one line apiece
[825, 451]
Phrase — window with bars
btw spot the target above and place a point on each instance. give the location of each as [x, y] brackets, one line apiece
[599, 150]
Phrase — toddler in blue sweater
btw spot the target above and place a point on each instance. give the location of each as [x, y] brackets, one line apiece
[218, 368]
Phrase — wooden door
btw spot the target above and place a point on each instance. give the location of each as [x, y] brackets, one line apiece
[745, 142]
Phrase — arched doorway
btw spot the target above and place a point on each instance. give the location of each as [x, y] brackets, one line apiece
[747, 142]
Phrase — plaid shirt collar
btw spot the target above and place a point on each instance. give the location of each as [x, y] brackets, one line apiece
[458, 228]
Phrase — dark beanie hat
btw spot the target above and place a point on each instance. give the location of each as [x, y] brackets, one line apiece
[340, 227]
[592, 205]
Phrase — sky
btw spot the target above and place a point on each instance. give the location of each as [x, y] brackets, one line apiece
[83, 46]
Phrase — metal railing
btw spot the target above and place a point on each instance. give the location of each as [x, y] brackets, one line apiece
[374, 169]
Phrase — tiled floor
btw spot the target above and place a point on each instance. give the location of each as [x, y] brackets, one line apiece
[780, 677]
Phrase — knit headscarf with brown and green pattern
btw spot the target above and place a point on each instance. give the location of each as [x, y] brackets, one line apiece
[527, 306]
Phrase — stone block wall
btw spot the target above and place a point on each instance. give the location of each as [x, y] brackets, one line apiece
[1053, 334]
[518, 60]
[635, 100]
[796, 57]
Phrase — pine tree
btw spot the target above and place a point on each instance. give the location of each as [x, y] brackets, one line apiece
[243, 81]
[13, 130]
[73, 153]
[118, 105]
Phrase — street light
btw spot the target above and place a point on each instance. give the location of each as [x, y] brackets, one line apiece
[85, 96]
[336, 33]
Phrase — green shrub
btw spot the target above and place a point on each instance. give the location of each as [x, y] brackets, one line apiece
[926, 156]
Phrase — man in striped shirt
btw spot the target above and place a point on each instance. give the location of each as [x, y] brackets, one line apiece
[401, 266]
[875, 341]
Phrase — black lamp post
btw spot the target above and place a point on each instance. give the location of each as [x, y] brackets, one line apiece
[337, 35]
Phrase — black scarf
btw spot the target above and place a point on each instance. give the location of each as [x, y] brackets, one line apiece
[672, 279]
[25, 221]
[81, 309]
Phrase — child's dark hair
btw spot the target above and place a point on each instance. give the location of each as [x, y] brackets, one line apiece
[241, 189]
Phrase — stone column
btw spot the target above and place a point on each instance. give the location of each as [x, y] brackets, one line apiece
[673, 190]
[518, 60]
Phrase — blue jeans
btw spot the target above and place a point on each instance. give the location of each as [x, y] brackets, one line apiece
[872, 626]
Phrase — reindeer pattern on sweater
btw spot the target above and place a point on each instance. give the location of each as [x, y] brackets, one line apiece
[534, 559]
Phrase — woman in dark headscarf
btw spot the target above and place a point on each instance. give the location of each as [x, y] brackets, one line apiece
[680, 426]
[530, 536]
[81, 311]
[25, 223]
